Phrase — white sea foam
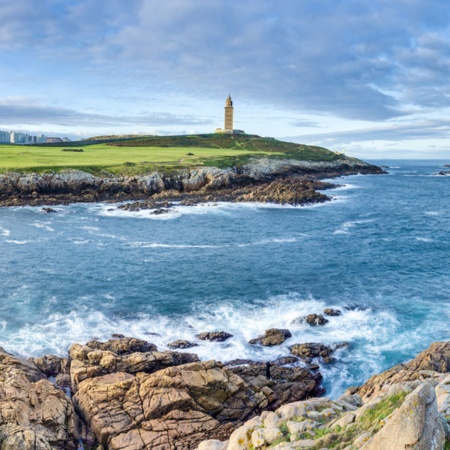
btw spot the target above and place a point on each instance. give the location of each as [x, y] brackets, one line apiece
[4, 231]
[158, 245]
[43, 225]
[17, 242]
[371, 330]
[346, 226]
[423, 239]
[432, 213]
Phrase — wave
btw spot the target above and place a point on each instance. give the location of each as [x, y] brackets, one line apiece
[4, 231]
[287, 240]
[17, 242]
[43, 225]
[347, 226]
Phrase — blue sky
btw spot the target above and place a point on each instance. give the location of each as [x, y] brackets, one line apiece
[370, 78]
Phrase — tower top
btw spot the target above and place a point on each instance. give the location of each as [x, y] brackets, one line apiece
[228, 101]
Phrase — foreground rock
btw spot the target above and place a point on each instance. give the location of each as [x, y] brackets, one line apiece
[402, 417]
[127, 355]
[34, 414]
[179, 406]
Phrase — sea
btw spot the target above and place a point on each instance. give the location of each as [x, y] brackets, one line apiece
[379, 252]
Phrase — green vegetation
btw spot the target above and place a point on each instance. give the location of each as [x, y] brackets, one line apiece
[163, 153]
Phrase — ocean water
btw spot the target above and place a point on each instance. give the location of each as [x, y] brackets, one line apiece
[379, 252]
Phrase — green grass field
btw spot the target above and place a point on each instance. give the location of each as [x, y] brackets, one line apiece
[144, 155]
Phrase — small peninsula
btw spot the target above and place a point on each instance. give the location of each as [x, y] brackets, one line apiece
[161, 169]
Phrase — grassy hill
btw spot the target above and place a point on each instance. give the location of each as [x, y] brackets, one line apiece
[145, 154]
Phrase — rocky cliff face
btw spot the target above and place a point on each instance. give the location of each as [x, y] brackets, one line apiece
[126, 395]
[76, 186]
[404, 408]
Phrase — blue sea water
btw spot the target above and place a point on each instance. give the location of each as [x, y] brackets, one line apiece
[379, 252]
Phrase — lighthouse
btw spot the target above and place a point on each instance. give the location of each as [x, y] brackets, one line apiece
[229, 111]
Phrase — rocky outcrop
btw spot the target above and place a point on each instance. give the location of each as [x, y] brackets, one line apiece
[316, 319]
[181, 344]
[125, 355]
[214, 336]
[173, 408]
[76, 186]
[428, 364]
[403, 417]
[34, 414]
[271, 337]
[284, 385]
[310, 350]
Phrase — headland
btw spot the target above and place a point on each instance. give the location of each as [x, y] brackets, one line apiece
[158, 170]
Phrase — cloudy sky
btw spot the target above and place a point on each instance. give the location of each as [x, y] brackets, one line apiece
[368, 77]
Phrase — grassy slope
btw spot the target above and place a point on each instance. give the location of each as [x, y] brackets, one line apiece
[164, 153]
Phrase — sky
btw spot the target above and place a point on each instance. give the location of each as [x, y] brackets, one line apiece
[369, 78]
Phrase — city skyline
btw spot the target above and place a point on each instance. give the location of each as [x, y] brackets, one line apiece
[367, 78]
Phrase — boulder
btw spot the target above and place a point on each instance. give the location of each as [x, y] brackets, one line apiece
[433, 360]
[214, 336]
[316, 319]
[286, 384]
[311, 350]
[182, 344]
[123, 355]
[122, 346]
[415, 425]
[272, 337]
[51, 365]
[177, 407]
[34, 414]
[332, 312]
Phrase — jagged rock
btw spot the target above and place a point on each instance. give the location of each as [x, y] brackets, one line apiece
[182, 344]
[34, 414]
[49, 210]
[316, 319]
[435, 359]
[51, 365]
[271, 337]
[332, 312]
[177, 406]
[214, 336]
[123, 346]
[285, 385]
[130, 356]
[312, 350]
[415, 425]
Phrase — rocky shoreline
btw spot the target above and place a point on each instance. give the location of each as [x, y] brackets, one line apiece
[266, 180]
[125, 394]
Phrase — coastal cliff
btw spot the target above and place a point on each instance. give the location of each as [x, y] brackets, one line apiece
[210, 183]
[125, 394]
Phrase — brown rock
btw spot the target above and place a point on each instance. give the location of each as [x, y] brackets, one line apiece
[214, 336]
[123, 345]
[272, 337]
[88, 362]
[182, 344]
[316, 319]
[435, 358]
[286, 384]
[332, 312]
[34, 414]
[177, 407]
[51, 365]
[312, 350]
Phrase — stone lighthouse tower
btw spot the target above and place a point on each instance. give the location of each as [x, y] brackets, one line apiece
[228, 115]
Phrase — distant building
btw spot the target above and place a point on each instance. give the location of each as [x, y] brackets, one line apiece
[5, 137]
[54, 140]
[229, 118]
